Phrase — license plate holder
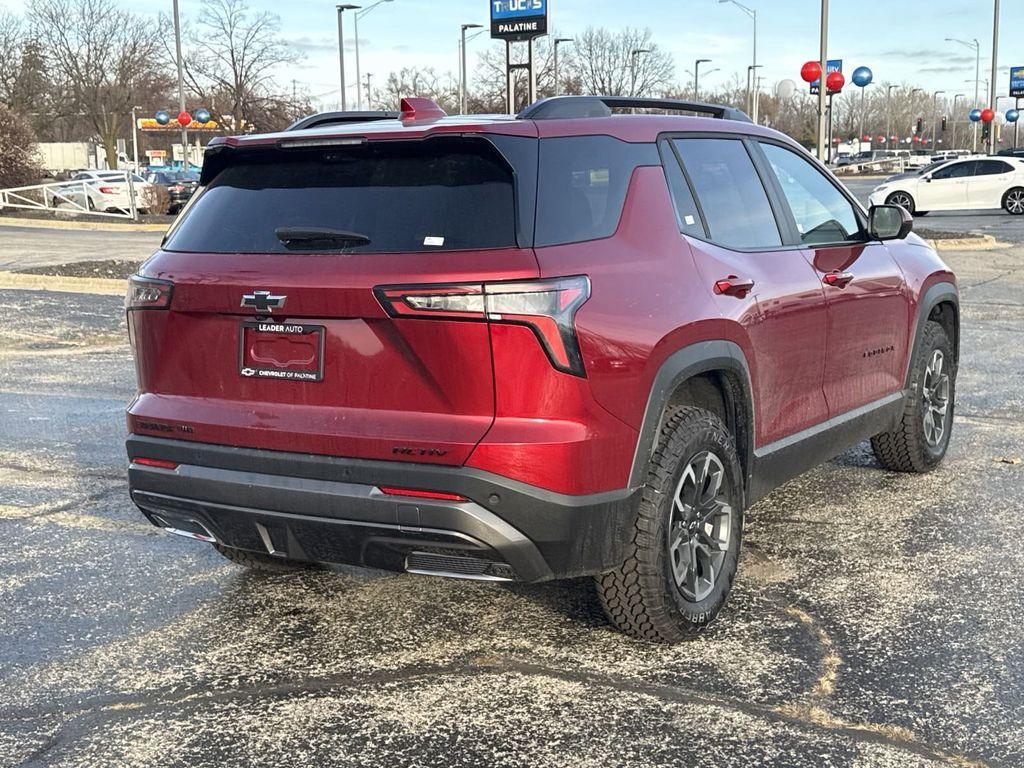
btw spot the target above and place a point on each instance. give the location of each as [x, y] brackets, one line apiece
[272, 349]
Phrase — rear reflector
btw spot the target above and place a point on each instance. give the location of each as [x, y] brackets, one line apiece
[548, 307]
[158, 463]
[436, 495]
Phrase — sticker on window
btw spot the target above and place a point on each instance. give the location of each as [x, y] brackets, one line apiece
[431, 240]
[690, 221]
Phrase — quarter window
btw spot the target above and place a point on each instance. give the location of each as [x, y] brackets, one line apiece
[682, 196]
[822, 212]
[730, 192]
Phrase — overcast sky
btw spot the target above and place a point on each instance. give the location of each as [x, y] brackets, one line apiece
[904, 42]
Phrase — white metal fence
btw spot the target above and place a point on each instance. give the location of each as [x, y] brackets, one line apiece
[75, 197]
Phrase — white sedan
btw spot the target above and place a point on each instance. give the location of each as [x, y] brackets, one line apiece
[969, 184]
[104, 191]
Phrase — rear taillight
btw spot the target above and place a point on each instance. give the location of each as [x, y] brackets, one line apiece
[148, 293]
[546, 306]
[108, 190]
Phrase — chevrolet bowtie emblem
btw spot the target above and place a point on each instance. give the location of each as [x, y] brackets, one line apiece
[263, 301]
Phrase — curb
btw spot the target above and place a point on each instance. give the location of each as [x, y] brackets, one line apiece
[90, 226]
[982, 243]
[104, 286]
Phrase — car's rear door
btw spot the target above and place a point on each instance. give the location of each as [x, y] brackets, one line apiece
[991, 180]
[868, 304]
[756, 280]
[945, 189]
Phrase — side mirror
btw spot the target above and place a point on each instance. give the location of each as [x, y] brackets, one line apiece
[927, 177]
[889, 222]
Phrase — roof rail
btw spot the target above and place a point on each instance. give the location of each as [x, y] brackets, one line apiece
[339, 118]
[602, 106]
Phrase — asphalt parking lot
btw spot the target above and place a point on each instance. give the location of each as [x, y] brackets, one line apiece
[875, 620]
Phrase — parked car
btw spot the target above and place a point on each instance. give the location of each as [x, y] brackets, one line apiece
[102, 191]
[971, 184]
[1017, 152]
[180, 185]
[525, 349]
[950, 154]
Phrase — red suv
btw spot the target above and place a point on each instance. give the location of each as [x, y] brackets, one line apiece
[572, 342]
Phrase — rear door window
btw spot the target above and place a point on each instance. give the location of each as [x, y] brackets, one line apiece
[583, 185]
[441, 194]
[730, 193]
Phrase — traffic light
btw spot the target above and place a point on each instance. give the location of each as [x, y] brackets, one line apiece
[985, 129]
[944, 123]
[919, 127]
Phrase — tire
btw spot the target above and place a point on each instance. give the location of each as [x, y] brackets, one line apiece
[919, 441]
[1013, 201]
[259, 561]
[921, 213]
[643, 597]
[902, 199]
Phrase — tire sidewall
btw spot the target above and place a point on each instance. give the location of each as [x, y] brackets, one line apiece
[1006, 197]
[935, 339]
[913, 203]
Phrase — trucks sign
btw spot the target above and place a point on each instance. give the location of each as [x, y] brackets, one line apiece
[518, 19]
[1017, 82]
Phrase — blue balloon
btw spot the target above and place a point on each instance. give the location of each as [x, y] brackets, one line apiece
[975, 115]
[1012, 115]
[862, 76]
[202, 115]
[162, 117]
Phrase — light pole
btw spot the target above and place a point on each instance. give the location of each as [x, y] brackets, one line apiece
[632, 68]
[181, 82]
[696, 77]
[995, 74]
[752, 82]
[341, 49]
[935, 116]
[955, 113]
[558, 42]
[355, 20]
[888, 114]
[463, 84]
[752, 85]
[135, 139]
[976, 47]
[822, 128]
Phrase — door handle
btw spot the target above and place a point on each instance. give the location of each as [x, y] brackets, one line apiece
[734, 286]
[837, 279]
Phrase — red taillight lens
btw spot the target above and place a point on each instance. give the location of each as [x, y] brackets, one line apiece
[158, 463]
[108, 190]
[437, 495]
[546, 306]
[148, 293]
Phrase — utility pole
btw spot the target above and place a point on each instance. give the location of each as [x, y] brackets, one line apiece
[935, 117]
[888, 114]
[995, 73]
[632, 68]
[341, 48]
[559, 41]
[464, 80]
[822, 127]
[135, 139]
[696, 77]
[369, 92]
[181, 82]
[955, 113]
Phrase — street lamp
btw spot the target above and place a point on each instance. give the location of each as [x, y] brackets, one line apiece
[935, 115]
[558, 42]
[752, 80]
[995, 74]
[463, 81]
[975, 46]
[696, 77]
[341, 49]
[751, 84]
[955, 113]
[135, 139]
[888, 113]
[356, 16]
[181, 82]
[632, 68]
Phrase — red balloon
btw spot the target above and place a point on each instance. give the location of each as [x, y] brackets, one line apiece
[810, 71]
[865, 137]
[835, 81]
[987, 115]
[184, 118]
[880, 137]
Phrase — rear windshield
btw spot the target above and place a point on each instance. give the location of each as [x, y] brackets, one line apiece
[442, 194]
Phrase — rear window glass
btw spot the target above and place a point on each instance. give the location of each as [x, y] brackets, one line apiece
[437, 195]
[583, 184]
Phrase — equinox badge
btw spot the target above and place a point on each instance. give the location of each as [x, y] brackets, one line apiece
[263, 301]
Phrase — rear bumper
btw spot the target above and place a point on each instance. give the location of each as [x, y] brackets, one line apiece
[328, 509]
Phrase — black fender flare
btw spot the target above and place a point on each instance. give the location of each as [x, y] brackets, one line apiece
[935, 295]
[683, 364]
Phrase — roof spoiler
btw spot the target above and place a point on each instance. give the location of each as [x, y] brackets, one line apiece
[601, 106]
[340, 118]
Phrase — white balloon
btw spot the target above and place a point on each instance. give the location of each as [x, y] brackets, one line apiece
[785, 89]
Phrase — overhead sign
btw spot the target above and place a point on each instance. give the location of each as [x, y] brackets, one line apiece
[834, 65]
[1017, 82]
[518, 19]
[150, 124]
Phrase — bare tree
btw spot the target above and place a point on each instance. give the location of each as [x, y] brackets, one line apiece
[18, 161]
[103, 58]
[411, 81]
[624, 63]
[231, 55]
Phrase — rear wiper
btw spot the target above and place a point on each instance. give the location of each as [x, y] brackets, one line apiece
[306, 238]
